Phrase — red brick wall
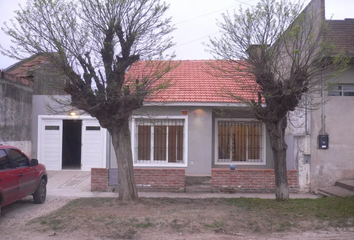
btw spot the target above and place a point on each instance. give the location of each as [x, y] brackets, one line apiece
[249, 180]
[99, 179]
[153, 179]
[146, 179]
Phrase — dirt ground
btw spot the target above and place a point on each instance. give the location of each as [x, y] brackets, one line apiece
[172, 219]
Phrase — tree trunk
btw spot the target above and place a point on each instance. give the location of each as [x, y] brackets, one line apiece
[122, 146]
[276, 134]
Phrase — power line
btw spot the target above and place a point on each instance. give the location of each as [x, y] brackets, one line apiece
[191, 19]
[194, 40]
[241, 2]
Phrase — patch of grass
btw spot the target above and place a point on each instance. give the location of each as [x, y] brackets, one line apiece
[321, 208]
[55, 224]
[86, 202]
[109, 217]
[145, 224]
[215, 225]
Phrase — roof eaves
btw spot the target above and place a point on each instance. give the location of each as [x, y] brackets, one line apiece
[200, 104]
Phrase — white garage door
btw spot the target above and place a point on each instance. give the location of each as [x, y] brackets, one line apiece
[93, 153]
[50, 143]
[50, 138]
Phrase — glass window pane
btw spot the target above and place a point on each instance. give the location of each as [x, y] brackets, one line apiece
[333, 87]
[239, 139]
[160, 138]
[93, 128]
[254, 141]
[348, 94]
[144, 142]
[224, 142]
[4, 160]
[332, 93]
[51, 128]
[348, 87]
[175, 143]
[19, 159]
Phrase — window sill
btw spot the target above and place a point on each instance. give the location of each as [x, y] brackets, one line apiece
[165, 165]
[241, 163]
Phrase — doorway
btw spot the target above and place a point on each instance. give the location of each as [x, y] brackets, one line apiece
[71, 148]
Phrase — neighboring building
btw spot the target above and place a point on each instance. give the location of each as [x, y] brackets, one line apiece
[15, 111]
[335, 119]
[320, 165]
[54, 138]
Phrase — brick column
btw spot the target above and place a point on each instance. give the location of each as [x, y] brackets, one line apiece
[99, 179]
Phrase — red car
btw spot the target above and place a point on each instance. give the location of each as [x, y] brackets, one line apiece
[20, 177]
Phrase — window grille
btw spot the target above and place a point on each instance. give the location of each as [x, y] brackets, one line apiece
[159, 140]
[240, 141]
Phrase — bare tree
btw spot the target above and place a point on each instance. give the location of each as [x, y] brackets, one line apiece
[94, 43]
[286, 55]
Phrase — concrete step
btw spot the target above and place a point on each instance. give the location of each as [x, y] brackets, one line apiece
[197, 180]
[198, 184]
[323, 194]
[336, 191]
[347, 184]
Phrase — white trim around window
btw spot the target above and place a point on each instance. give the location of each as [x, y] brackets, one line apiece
[165, 126]
[247, 157]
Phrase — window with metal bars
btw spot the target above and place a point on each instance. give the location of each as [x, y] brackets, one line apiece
[239, 141]
[159, 140]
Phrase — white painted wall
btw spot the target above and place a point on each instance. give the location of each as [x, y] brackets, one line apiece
[337, 162]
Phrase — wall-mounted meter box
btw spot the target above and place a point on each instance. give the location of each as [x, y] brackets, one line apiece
[323, 141]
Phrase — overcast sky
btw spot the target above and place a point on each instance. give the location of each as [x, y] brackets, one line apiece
[195, 21]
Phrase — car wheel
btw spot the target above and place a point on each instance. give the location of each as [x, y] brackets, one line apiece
[41, 192]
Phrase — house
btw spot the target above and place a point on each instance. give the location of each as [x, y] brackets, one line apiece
[194, 126]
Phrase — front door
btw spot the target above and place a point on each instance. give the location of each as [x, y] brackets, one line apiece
[71, 153]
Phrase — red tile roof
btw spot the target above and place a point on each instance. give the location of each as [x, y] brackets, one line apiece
[191, 81]
[21, 69]
[341, 33]
[198, 81]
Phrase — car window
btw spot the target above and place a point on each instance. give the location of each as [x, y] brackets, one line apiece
[4, 160]
[19, 159]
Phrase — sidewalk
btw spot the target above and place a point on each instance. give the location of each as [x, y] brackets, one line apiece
[70, 183]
